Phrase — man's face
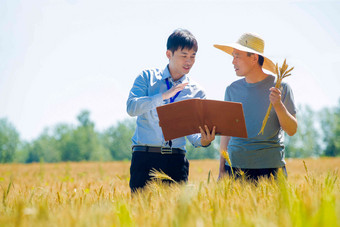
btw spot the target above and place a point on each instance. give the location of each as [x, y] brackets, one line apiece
[243, 64]
[180, 62]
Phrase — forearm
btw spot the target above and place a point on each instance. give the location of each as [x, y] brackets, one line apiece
[222, 164]
[139, 105]
[223, 147]
[224, 143]
[287, 121]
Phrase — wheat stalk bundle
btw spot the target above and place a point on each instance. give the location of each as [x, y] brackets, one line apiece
[281, 73]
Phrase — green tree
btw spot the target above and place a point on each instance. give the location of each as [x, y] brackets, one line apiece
[22, 152]
[330, 125]
[305, 142]
[117, 139]
[44, 148]
[211, 152]
[82, 143]
[292, 145]
[84, 119]
[65, 143]
[9, 141]
[89, 144]
[337, 130]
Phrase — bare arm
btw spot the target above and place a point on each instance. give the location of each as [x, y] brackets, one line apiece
[287, 121]
[223, 147]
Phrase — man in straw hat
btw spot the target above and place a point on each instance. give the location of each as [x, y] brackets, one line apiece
[259, 155]
[156, 87]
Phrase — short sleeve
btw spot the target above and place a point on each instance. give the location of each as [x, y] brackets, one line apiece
[227, 95]
[288, 99]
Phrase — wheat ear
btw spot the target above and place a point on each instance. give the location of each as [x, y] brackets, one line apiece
[281, 73]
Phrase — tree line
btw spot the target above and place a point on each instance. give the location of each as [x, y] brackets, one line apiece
[318, 135]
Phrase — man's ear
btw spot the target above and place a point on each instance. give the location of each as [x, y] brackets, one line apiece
[168, 54]
[255, 58]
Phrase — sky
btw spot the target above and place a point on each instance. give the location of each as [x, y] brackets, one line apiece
[59, 57]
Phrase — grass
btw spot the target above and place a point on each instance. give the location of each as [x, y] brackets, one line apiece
[97, 194]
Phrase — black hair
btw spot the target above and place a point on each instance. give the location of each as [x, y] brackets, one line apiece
[260, 60]
[181, 38]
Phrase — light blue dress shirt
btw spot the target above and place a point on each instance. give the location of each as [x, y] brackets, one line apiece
[146, 95]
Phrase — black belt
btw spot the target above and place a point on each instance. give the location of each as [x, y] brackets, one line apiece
[162, 150]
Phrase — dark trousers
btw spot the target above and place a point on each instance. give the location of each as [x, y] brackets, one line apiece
[174, 165]
[254, 174]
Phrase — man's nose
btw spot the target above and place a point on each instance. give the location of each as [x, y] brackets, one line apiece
[189, 60]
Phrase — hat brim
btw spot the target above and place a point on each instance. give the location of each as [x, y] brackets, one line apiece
[267, 64]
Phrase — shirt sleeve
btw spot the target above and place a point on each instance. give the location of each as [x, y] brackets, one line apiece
[195, 139]
[288, 99]
[226, 95]
[139, 102]
[201, 94]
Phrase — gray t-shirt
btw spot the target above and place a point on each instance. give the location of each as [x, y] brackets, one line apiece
[258, 151]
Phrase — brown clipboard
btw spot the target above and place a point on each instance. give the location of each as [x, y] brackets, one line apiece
[183, 118]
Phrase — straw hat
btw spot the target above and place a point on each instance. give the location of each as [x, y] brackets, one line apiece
[250, 43]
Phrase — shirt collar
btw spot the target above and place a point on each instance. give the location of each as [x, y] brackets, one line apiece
[166, 74]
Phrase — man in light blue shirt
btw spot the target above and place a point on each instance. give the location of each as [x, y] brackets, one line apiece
[259, 155]
[153, 88]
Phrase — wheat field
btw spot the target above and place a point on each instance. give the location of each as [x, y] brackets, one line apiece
[97, 194]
